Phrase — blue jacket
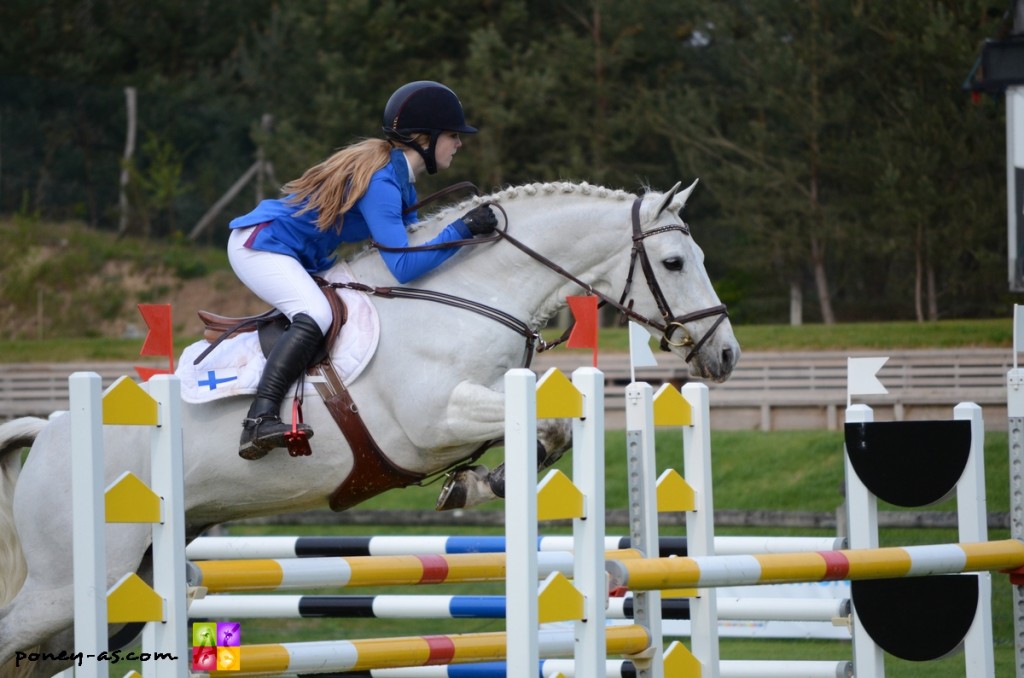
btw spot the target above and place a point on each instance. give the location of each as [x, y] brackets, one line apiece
[377, 215]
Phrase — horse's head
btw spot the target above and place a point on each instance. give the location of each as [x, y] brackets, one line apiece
[668, 285]
[651, 270]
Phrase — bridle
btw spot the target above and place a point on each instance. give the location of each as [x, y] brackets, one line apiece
[667, 326]
[670, 322]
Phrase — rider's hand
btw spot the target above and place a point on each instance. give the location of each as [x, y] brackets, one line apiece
[480, 220]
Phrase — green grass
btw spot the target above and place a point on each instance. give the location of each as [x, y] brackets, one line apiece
[844, 336]
[780, 470]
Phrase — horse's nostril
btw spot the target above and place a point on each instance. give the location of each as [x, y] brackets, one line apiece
[727, 357]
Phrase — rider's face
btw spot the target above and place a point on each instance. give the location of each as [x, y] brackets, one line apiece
[448, 144]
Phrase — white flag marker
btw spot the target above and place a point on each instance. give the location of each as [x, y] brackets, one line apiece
[861, 379]
[640, 354]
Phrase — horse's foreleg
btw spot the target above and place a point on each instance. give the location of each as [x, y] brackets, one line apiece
[475, 413]
[476, 484]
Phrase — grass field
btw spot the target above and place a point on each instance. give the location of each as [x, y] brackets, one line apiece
[893, 335]
[782, 470]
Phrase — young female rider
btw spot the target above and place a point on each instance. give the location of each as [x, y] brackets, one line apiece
[360, 192]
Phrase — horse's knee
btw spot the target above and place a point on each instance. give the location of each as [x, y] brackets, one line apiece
[554, 437]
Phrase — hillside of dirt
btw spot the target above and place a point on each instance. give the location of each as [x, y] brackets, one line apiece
[218, 291]
[66, 280]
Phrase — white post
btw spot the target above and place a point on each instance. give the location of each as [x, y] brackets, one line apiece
[972, 519]
[521, 609]
[588, 532]
[88, 523]
[167, 481]
[643, 514]
[700, 525]
[862, 522]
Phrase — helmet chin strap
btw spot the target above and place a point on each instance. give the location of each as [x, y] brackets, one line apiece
[426, 153]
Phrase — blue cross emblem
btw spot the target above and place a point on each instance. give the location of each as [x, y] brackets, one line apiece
[212, 381]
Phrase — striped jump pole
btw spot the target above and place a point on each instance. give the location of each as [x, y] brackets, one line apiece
[652, 574]
[233, 548]
[617, 668]
[368, 655]
[224, 576]
[241, 606]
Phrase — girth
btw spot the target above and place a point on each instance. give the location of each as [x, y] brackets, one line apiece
[372, 472]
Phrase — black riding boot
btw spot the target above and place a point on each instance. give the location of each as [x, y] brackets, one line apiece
[262, 429]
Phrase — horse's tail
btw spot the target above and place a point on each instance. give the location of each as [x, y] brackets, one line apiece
[14, 436]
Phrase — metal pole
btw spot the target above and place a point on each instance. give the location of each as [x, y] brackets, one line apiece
[1015, 413]
[643, 515]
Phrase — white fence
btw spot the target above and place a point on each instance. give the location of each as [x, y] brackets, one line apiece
[767, 391]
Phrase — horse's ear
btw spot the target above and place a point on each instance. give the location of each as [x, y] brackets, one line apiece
[684, 195]
[667, 198]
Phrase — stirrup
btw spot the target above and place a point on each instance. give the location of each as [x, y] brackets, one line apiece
[262, 434]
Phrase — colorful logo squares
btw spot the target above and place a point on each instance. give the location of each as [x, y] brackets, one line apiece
[216, 646]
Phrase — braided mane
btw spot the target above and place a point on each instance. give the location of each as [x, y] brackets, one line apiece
[449, 213]
[527, 191]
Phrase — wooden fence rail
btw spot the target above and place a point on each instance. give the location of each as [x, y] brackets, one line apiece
[767, 391]
[747, 518]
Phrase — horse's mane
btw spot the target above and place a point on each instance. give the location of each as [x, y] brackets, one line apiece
[449, 213]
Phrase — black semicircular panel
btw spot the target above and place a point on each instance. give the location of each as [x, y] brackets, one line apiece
[909, 463]
[917, 618]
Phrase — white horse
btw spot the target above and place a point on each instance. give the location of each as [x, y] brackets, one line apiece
[431, 395]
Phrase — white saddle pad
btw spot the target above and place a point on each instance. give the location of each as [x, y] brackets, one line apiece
[235, 366]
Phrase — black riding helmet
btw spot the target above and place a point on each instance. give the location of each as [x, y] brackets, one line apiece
[426, 107]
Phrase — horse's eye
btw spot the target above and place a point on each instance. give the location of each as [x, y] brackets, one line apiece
[673, 263]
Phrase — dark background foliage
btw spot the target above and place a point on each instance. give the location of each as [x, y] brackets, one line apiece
[845, 175]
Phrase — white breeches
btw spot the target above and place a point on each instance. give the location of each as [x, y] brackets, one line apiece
[278, 279]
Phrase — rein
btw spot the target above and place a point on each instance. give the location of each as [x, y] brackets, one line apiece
[534, 342]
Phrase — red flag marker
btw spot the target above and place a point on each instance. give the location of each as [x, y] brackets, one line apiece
[159, 340]
[584, 331]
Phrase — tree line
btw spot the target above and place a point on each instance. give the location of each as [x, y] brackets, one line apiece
[845, 174]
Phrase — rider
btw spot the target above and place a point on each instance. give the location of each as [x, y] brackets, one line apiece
[358, 193]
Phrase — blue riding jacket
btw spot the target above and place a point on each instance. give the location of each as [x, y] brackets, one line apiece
[377, 215]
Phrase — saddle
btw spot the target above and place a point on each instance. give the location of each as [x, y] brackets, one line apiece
[372, 472]
[271, 325]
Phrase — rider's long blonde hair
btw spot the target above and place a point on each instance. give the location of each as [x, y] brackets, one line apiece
[334, 185]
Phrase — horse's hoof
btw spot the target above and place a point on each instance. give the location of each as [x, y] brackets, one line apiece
[453, 495]
[465, 488]
[496, 480]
